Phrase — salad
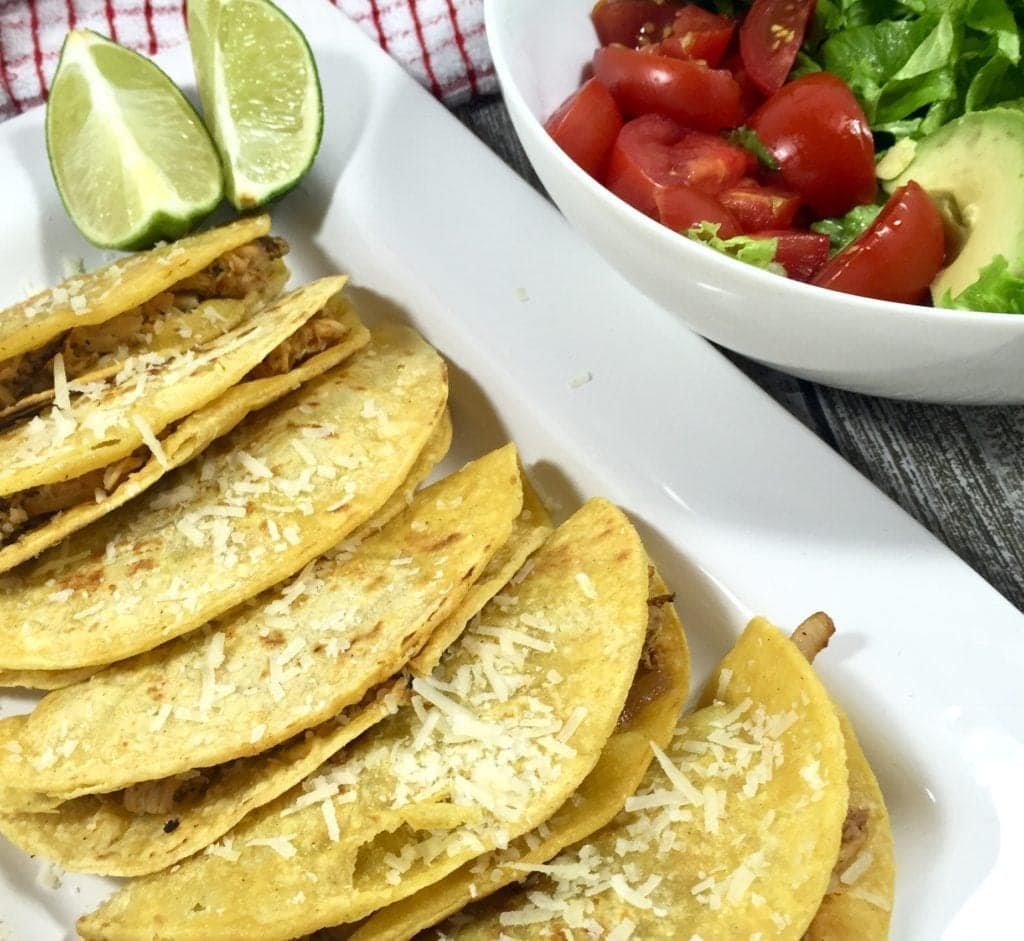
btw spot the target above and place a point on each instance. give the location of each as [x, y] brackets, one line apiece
[872, 148]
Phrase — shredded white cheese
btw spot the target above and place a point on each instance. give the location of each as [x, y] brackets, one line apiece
[151, 440]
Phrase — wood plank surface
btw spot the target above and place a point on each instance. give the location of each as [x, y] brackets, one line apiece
[958, 471]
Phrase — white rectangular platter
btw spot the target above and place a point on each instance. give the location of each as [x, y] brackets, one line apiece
[743, 509]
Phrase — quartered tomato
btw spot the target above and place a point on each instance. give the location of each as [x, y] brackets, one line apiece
[821, 138]
[681, 208]
[897, 256]
[586, 126]
[698, 34]
[770, 37]
[802, 254]
[688, 92]
[760, 207]
[653, 154]
[632, 22]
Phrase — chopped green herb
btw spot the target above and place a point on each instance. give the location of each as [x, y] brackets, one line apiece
[747, 137]
[844, 229]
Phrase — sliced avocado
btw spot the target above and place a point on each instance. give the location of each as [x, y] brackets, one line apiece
[973, 168]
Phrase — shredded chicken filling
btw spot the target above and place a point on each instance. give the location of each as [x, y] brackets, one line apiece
[650, 682]
[167, 794]
[813, 635]
[236, 274]
[313, 337]
[19, 510]
[855, 837]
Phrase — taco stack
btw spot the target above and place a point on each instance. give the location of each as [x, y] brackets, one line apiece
[489, 747]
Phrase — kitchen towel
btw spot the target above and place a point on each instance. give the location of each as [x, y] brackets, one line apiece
[441, 42]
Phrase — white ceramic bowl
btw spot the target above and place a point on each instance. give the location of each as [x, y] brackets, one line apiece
[540, 48]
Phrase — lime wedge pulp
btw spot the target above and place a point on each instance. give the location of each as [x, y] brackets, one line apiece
[260, 93]
[131, 158]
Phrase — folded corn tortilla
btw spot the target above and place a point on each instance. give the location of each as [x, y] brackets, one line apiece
[659, 689]
[260, 503]
[288, 660]
[491, 746]
[146, 302]
[109, 835]
[330, 336]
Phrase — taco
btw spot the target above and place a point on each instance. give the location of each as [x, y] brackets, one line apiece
[732, 834]
[165, 300]
[263, 501]
[659, 690]
[492, 744]
[151, 826]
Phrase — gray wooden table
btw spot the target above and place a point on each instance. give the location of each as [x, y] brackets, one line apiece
[959, 471]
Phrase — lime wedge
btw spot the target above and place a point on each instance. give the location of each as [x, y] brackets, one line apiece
[130, 156]
[260, 92]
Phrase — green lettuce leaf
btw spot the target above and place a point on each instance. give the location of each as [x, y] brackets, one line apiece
[759, 252]
[997, 290]
[916, 64]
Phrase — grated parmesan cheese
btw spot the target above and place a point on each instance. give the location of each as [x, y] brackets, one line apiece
[282, 845]
[586, 585]
[61, 396]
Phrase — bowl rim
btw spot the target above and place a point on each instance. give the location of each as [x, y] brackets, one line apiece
[495, 11]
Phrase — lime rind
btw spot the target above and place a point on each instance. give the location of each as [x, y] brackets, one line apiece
[112, 147]
[265, 110]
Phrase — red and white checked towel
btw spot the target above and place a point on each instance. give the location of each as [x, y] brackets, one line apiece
[441, 42]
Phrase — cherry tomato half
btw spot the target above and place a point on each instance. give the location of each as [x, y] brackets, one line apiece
[760, 207]
[821, 138]
[897, 256]
[770, 37]
[682, 207]
[631, 22]
[586, 125]
[653, 154]
[687, 92]
[698, 34]
[802, 254]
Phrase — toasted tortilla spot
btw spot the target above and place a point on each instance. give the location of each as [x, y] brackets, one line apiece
[531, 528]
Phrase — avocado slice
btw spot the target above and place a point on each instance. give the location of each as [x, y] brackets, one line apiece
[973, 168]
